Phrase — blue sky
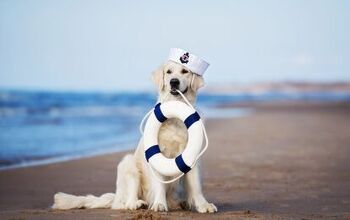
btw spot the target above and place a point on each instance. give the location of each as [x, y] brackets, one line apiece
[115, 45]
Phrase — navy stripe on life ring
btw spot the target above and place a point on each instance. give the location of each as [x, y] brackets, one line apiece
[152, 151]
[159, 115]
[180, 163]
[191, 119]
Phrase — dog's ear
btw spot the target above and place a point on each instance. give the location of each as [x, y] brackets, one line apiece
[196, 82]
[158, 77]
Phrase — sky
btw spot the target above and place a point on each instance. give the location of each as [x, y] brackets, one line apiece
[115, 45]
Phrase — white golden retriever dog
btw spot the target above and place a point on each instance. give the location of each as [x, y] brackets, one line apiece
[136, 186]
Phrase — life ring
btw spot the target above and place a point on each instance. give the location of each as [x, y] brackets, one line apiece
[183, 162]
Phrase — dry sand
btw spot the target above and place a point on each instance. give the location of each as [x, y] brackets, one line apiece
[286, 161]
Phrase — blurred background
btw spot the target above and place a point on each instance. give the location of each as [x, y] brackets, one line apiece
[75, 75]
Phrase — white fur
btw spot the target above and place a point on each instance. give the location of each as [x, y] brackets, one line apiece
[136, 186]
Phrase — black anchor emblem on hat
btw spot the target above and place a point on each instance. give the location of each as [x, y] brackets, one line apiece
[184, 58]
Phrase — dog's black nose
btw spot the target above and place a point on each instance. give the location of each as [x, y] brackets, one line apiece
[174, 83]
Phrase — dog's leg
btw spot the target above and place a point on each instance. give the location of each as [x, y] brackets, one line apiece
[128, 185]
[195, 194]
[159, 202]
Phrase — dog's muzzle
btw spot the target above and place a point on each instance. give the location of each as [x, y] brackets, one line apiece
[175, 84]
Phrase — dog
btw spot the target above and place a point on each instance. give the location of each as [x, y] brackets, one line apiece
[136, 187]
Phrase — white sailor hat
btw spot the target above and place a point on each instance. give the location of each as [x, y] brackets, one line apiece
[191, 61]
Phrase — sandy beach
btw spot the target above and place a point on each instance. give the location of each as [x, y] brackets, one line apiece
[285, 161]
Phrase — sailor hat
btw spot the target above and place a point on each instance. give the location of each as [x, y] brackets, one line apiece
[191, 61]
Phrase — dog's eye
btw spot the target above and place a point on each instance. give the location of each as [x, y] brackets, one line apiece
[168, 72]
[184, 71]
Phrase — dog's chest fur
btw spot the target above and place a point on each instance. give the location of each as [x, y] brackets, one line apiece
[172, 137]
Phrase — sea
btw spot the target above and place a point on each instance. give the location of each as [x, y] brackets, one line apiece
[41, 127]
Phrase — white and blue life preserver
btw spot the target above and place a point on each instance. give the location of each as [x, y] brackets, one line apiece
[183, 162]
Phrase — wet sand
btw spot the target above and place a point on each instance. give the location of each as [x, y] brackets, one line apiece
[286, 161]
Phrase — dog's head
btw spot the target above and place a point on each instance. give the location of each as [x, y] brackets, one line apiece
[172, 76]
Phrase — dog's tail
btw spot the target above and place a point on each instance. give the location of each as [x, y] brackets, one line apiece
[65, 201]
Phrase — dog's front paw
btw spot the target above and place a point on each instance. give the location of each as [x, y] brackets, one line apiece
[133, 205]
[159, 207]
[207, 208]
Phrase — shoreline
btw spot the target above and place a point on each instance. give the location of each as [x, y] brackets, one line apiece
[210, 114]
[286, 160]
[62, 159]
